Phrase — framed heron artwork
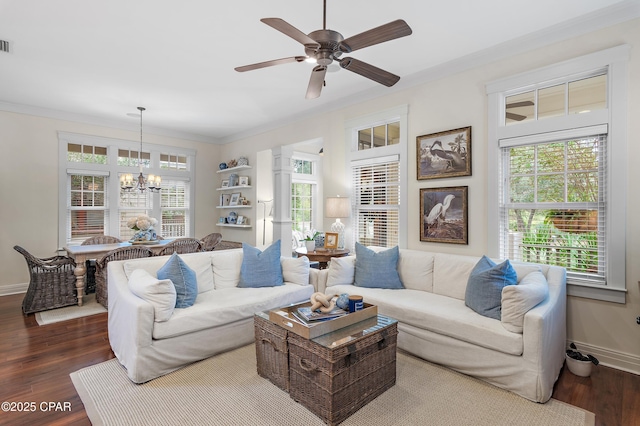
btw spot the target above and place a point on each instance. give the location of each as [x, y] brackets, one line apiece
[444, 154]
[443, 215]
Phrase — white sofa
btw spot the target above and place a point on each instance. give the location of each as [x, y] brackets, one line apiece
[220, 319]
[435, 324]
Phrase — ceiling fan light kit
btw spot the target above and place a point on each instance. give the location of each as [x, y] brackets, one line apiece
[324, 46]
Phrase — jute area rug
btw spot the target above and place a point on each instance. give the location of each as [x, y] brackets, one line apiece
[226, 390]
[89, 307]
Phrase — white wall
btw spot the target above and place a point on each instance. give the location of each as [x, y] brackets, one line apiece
[608, 330]
[29, 193]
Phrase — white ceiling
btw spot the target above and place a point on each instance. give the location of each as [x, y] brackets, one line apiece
[96, 60]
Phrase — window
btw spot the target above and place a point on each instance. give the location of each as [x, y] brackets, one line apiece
[304, 192]
[378, 157]
[557, 170]
[92, 202]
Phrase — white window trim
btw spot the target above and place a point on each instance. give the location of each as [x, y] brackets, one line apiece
[400, 114]
[313, 179]
[615, 116]
[112, 169]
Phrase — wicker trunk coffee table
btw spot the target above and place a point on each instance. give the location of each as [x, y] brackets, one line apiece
[332, 375]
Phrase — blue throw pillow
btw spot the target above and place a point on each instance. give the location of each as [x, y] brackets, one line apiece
[377, 270]
[183, 278]
[260, 269]
[485, 284]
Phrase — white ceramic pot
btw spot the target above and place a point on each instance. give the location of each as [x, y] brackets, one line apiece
[579, 368]
[310, 245]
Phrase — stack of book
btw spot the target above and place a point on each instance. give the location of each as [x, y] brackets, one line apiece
[306, 315]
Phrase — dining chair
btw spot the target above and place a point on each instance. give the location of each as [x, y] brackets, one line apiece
[209, 242]
[101, 239]
[121, 253]
[52, 283]
[181, 246]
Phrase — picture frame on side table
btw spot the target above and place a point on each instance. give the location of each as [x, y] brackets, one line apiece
[243, 181]
[330, 240]
[444, 215]
[233, 201]
[444, 154]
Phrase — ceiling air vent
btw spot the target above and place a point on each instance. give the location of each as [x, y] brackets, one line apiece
[4, 46]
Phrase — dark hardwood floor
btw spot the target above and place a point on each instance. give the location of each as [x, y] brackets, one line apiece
[36, 363]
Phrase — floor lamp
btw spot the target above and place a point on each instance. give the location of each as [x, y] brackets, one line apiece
[264, 217]
[338, 207]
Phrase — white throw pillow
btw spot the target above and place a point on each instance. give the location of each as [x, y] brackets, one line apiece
[342, 271]
[295, 270]
[161, 294]
[226, 268]
[518, 299]
[524, 269]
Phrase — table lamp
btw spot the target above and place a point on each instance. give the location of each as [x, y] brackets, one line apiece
[338, 207]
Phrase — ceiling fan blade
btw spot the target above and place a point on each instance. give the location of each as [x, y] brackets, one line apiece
[369, 71]
[386, 32]
[270, 63]
[516, 117]
[316, 82]
[519, 104]
[288, 29]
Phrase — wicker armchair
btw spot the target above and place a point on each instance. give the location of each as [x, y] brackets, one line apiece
[181, 246]
[209, 242]
[52, 283]
[121, 253]
[101, 239]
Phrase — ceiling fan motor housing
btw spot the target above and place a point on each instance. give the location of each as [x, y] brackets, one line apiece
[329, 41]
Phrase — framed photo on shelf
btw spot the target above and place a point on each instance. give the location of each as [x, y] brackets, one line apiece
[331, 240]
[240, 220]
[226, 198]
[444, 154]
[225, 183]
[443, 215]
[233, 201]
[243, 181]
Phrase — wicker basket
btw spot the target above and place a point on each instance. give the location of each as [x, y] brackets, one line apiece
[335, 383]
[272, 352]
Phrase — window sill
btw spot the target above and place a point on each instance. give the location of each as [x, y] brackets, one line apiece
[606, 294]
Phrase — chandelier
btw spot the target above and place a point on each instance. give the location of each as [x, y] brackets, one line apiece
[152, 182]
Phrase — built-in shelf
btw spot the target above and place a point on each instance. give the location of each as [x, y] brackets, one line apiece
[233, 187]
[230, 225]
[234, 207]
[231, 169]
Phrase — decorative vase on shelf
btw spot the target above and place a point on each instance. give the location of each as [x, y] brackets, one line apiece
[222, 166]
[310, 245]
[232, 218]
[233, 179]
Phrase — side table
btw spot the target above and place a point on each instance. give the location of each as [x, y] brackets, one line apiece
[322, 256]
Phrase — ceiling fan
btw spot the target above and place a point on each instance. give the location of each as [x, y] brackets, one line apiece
[517, 117]
[325, 46]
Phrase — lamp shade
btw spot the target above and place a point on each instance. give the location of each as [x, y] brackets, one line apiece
[337, 207]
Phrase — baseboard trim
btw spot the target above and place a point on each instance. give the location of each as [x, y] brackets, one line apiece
[6, 290]
[610, 358]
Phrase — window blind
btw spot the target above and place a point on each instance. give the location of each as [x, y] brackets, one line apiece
[553, 207]
[376, 198]
[87, 206]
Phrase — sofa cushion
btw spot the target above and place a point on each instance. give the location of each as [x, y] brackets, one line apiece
[295, 270]
[451, 273]
[439, 314]
[517, 300]
[199, 262]
[183, 278]
[161, 294]
[260, 268]
[484, 288]
[226, 268]
[229, 305]
[415, 268]
[342, 270]
[377, 270]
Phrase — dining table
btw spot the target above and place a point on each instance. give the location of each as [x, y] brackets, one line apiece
[80, 254]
